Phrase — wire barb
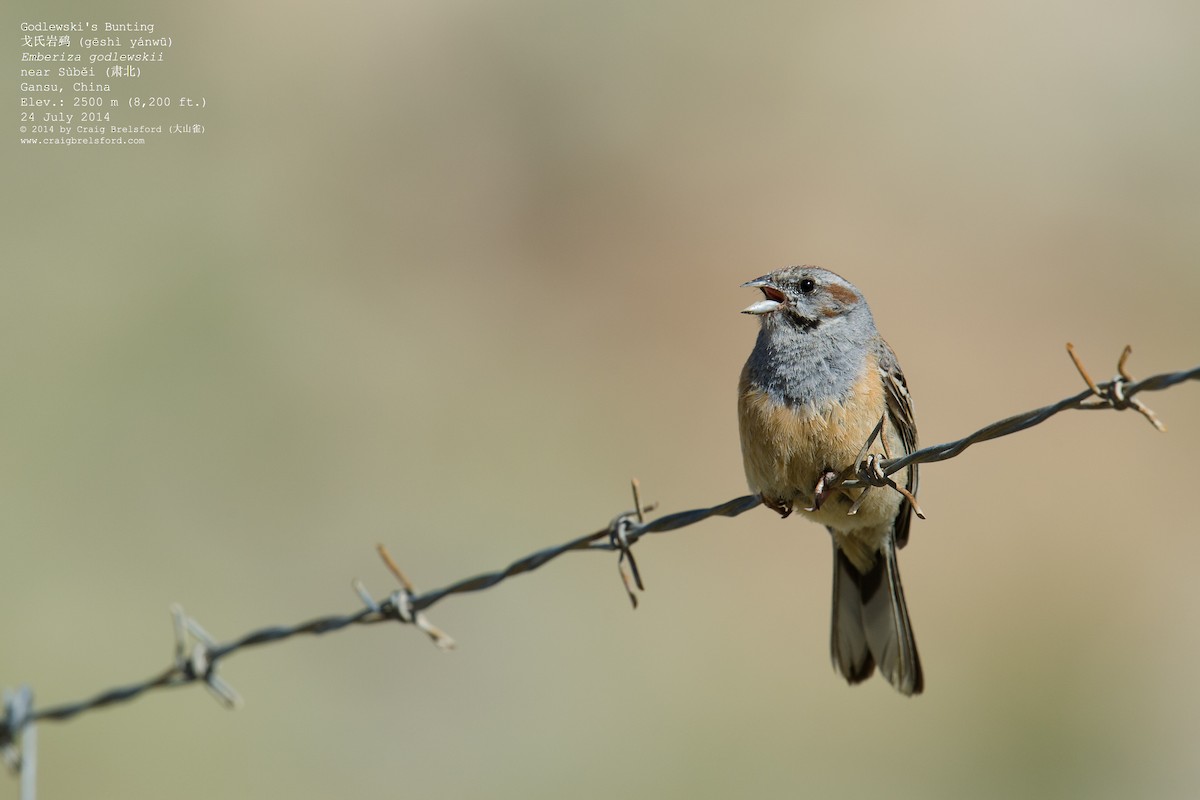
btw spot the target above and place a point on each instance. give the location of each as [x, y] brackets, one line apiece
[1083, 373]
[18, 739]
[17, 707]
[866, 472]
[870, 472]
[867, 469]
[400, 604]
[360, 589]
[618, 533]
[194, 658]
[1114, 394]
[618, 539]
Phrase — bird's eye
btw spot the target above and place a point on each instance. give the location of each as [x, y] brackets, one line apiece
[807, 285]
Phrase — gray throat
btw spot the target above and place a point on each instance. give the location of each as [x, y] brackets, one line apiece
[803, 368]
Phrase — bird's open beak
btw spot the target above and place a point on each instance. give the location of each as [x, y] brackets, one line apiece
[772, 297]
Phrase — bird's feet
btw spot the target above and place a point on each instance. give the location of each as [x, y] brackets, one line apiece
[824, 488]
[781, 507]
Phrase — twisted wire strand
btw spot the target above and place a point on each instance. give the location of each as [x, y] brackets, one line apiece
[197, 654]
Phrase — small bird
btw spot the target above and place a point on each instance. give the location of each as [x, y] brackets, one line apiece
[818, 382]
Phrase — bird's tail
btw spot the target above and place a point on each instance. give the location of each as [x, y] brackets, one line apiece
[870, 623]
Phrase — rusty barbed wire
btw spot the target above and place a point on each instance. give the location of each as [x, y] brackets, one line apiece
[197, 654]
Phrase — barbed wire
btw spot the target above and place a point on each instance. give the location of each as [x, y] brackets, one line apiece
[197, 654]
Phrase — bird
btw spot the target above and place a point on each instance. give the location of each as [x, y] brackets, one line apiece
[817, 384]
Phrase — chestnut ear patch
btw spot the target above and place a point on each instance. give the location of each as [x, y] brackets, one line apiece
[842, 294]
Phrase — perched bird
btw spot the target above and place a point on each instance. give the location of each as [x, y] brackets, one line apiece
[818, 382]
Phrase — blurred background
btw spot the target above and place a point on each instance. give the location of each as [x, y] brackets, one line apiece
[445, 275]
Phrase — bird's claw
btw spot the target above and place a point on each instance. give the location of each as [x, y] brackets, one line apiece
[781, 507]
[824, 488]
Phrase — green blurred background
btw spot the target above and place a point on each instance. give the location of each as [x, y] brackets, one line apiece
[445, 275]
